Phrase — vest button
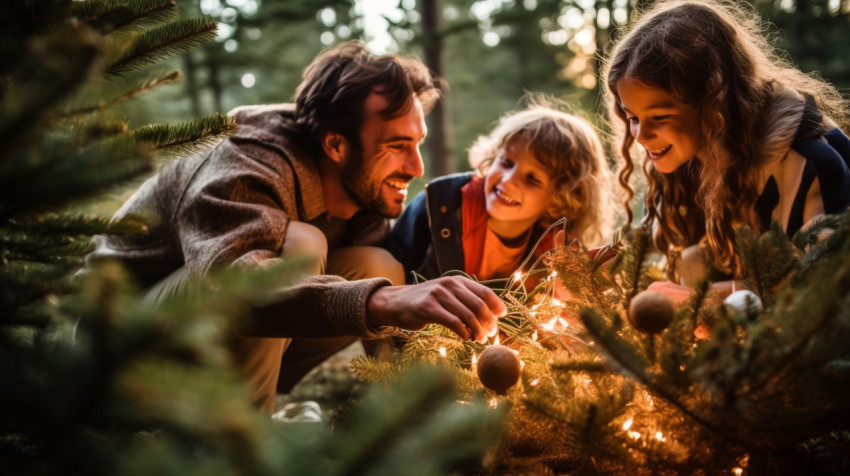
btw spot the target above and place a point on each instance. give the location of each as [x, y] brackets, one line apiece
[443, 209]
[445, 233]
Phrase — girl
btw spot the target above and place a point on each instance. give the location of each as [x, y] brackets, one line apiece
[537, 165]
[730, 134]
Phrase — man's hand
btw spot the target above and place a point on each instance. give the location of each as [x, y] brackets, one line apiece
[467, 308]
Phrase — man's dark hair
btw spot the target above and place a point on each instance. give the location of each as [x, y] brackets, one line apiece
[336, 84]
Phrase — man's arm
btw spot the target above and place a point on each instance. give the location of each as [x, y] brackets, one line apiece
[236, 209]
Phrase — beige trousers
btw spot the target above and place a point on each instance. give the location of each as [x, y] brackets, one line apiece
[272, 365]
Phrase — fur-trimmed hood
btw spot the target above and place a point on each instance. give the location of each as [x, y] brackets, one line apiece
[783, 117]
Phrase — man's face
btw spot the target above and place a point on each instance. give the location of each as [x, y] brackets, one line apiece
[376, 176]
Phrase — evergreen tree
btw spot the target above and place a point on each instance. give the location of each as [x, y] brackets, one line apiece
[95, 379]
[610, 384]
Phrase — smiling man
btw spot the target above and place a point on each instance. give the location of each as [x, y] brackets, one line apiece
[320, 177]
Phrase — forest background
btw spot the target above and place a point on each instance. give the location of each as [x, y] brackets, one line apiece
[111, 385]
[489, 51]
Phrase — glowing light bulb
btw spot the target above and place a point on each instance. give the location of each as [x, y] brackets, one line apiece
[550, 326]
[627, 424]
[738, 471]
[534, 382]
[442, 351]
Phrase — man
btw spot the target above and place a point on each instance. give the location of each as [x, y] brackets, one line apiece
[318, 177]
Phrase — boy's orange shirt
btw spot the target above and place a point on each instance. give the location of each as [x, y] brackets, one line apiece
[485, 255]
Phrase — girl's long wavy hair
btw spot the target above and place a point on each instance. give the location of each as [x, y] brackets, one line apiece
[716, 56]
[570, 150]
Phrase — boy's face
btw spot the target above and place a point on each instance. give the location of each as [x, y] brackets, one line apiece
[663, 126]
[377, 176]
[517, 188]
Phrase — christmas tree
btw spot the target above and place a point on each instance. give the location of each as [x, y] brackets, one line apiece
[95, 379]
[615, 379]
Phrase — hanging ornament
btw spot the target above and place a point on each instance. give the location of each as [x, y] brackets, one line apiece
[498, 368]
[650, 312]
[744, 302]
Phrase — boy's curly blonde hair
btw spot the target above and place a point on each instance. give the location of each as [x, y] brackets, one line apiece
[570, 150]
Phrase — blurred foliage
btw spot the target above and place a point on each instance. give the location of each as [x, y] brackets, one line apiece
[96, 378]
[495, 50]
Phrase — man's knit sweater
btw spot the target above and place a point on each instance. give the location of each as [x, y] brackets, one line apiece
[231, 206]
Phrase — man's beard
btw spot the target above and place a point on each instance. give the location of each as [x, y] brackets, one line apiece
[361, 187]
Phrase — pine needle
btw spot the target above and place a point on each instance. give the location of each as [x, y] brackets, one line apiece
[110, 15]
[101, 99]
[164, 42]
[187, 138]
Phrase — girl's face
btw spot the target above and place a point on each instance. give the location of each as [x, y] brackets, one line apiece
[665, 127]
[517, 188]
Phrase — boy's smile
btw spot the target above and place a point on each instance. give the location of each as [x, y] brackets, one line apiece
[518, 189]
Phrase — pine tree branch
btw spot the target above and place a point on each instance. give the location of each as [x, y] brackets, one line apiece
[75, 224]
[111, 15]
[63, 179]
[163, 42]
[640, 246]
[187, 138]
[594, 325]
[78, 52]
[833, 307]
[131, 90]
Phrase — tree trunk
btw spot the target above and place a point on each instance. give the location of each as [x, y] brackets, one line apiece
[214, 81]
[439, 121]
[192, 88]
